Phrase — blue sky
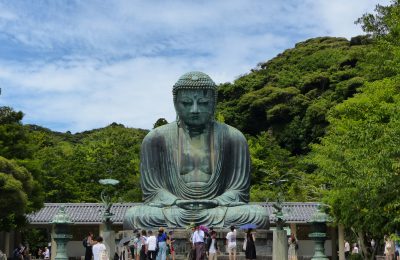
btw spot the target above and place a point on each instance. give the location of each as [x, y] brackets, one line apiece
[78, 65]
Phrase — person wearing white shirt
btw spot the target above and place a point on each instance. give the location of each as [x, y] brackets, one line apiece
[346, 249]
[231, 243]
[98, 249]
[198, 243]
[151, 244]
[355, 249]
[46, 253]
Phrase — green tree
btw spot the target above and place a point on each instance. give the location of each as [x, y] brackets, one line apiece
[290, 95]
[19, 192]
[383, 58]
[271, 163]
[14, 143]
[160, 122]
[359, 159]
[80, 160]
[17, 188]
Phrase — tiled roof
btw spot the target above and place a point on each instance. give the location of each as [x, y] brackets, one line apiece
[294, 212]
[91, 213]
[79, 213]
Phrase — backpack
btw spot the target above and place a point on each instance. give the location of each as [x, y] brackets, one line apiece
[103, 255]
[84, 242]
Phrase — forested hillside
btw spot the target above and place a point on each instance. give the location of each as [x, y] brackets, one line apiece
[290, 95]
[282, 106]
[72, 164]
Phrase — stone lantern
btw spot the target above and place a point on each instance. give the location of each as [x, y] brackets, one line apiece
[318, 224]
[61, 235]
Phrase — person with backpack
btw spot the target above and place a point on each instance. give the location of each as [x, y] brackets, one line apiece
[99, 249]
[87, 244]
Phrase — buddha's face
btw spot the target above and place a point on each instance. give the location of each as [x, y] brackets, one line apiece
[195, 107]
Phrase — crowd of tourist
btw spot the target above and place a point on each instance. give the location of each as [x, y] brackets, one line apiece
[146, 245]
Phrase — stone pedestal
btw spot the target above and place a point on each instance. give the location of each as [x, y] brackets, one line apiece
[61, 240]
[108, 239]
[280, 247]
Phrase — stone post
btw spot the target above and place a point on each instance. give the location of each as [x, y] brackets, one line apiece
[279, 240]
[106, 228]
[279, 245]
[61, 235]
[108, 238]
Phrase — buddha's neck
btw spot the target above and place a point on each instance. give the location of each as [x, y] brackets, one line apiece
[194, 131]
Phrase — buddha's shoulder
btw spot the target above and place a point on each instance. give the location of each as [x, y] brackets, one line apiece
[161, 131]
[230, 131]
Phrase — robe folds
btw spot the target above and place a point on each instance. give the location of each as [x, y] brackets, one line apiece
[162, 184]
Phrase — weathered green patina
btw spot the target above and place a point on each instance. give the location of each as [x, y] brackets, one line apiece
[195, 169]
[62, 233]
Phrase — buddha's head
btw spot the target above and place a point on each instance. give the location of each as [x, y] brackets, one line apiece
[195, 95]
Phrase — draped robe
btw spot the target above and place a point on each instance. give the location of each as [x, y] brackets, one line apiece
[162, 184]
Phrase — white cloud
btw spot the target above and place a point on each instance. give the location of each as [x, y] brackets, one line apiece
[80, 65]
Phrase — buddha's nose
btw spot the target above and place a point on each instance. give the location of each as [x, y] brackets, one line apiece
[194, 108]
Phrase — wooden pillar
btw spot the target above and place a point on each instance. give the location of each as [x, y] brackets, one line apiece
[53, 244]
[5, 243]
[293, 229]
[341, 241]
[334, 244]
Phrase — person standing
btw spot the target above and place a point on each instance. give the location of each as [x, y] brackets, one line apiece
[46, 253]
[3, 256]
[346, 249]
[397, 250]
[355, 250]
[170, 242]
[212, 247]
[143, 243]
[162, 244]
[198, 243]
[231, 243]
[389, 251]
[99, 249]
[138, 245]
[250, 251]
[151, 245]
[292, 252]
[87, 243]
